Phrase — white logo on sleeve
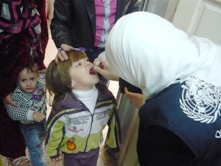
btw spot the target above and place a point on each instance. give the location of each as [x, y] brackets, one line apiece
[200, 100]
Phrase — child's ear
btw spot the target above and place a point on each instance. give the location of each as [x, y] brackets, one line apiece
[72, 84]
[38, 76]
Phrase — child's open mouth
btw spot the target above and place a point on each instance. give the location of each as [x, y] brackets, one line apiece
[92, 71]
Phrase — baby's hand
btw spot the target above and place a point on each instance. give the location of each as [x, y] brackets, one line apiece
[39, 117]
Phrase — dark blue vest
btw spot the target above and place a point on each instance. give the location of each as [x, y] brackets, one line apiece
[193, 113]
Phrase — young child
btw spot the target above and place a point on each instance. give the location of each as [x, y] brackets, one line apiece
[30, 96]
[82, 107]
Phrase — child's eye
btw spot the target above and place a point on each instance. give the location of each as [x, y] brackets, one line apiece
[79, 64]
[32, 79]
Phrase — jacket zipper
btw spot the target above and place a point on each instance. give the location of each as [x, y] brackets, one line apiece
[92, 119]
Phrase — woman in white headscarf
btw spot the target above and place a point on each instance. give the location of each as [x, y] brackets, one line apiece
[180, 78]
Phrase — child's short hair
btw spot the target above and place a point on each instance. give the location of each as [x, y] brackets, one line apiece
[57, 76]
[32, 67]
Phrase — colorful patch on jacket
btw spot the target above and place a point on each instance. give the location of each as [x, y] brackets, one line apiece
[37, 94]
[71, 145]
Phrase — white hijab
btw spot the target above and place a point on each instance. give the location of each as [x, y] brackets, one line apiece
[150, 53]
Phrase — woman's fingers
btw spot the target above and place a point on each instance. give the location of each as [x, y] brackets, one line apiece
[135, 98]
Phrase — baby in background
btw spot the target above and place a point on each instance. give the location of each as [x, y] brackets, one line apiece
[31, 112]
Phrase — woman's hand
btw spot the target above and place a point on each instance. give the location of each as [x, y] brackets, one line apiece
[61, 55]
[103, 68]
[8, 100]
[136, 98]
[42, 71]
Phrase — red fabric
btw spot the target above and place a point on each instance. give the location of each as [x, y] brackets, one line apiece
[14, 55]
[23, 19]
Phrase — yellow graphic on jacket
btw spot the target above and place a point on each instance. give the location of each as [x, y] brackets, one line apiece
[71, 145]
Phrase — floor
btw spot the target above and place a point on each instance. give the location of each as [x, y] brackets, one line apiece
[104, 159]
